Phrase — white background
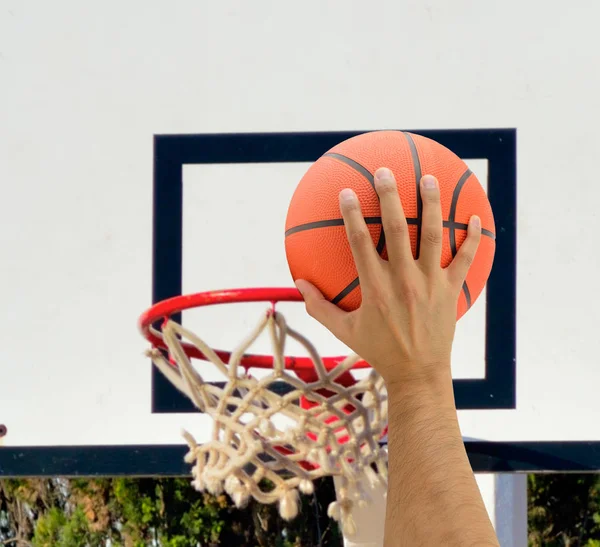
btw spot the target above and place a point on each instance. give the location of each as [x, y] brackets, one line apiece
[83, 89]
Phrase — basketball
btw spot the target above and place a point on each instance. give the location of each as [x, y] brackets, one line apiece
[315, 239]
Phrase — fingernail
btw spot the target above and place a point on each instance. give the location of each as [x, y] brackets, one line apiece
[383, 173]
[429, 182]
[347, 195]
[476, 221]
[299, 286]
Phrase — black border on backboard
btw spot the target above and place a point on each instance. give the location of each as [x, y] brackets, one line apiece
[497, 390]
[167, 460]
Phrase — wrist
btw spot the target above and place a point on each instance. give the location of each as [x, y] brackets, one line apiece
[432, 383]
[425, 410]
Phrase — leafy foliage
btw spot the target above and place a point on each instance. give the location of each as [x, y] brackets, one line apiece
[564, 510]
[126, 512]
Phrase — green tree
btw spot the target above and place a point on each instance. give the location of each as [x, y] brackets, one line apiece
[125, 512]
[564, 510]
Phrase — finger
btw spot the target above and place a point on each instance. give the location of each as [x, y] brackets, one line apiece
[430, 253]
[359, 237]
[397, 239]
[459, 267]
[317, 306]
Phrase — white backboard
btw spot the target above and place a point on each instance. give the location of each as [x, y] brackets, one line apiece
[94, 99]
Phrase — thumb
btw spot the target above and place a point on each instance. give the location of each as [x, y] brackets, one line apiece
[317, 306]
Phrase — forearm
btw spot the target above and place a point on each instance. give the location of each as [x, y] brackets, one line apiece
[433, 498]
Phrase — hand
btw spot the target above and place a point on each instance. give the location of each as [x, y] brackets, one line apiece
[405, 324]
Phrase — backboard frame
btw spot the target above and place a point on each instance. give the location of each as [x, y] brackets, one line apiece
[497, 389]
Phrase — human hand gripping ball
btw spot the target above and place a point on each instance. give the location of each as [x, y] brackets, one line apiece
[404, 326]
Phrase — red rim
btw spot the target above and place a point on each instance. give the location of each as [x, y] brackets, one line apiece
[165, 309]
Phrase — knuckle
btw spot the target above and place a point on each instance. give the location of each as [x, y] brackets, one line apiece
[432, 196]
[350, 206]
[409, 290]
[376, 295]
[359, 237]
[475, 238]
[396, 227]
[411, 294]
[378, 304]
[433, 237]
[467, 258]
[387, 188]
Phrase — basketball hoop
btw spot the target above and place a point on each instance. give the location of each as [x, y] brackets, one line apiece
[336, 420]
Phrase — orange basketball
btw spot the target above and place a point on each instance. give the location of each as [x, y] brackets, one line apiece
[315, 239]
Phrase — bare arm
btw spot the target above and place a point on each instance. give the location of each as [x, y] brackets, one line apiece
[404, 328]
[433, 498]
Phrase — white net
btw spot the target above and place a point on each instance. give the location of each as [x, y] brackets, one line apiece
[336, 434]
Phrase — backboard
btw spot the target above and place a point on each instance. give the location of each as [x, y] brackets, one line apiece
[158, 160]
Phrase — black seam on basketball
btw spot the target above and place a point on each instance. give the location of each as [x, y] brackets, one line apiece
[417, 168]
[467, 293]
[347, 290]
[337, 222]
[487, 233]
[355, 165]
[451, 216]
[377, 220]
[381, 243]
[453, 205]
[327, 224]
[463, 226]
